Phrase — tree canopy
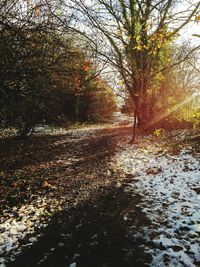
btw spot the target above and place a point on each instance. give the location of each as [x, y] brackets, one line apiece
[136, 38]
[45, 76]
[57, 53]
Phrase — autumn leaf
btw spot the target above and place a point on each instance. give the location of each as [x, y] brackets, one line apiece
[86, 66]
[197, 18]
[120, 83]
[47, 185]
[138, 47]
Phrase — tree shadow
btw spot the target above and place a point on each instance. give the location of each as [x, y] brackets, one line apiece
[93, 234]
[66, 162]
[19, 153]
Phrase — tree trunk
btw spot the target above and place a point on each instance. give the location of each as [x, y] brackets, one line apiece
[77, 108]
[26, 130]
[134, 128]
[143, 114]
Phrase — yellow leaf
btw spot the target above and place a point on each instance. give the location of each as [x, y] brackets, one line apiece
[48, 185]
[197, 18]
[120, 83]
[138, 47]
[137, 39]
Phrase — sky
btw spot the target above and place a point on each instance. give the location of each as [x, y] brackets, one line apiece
[189, 31]
[192, 28]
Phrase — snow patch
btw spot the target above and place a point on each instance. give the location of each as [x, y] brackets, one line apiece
[166, 184]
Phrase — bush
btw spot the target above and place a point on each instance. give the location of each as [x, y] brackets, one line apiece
[189, 115]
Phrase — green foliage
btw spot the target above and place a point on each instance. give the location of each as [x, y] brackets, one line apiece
[190, 115]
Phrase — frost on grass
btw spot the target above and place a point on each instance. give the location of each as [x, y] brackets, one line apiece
[169, 186]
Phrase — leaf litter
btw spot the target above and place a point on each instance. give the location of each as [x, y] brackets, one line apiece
[164, 174]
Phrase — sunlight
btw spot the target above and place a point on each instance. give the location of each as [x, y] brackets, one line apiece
[80, 79]
[171, 110]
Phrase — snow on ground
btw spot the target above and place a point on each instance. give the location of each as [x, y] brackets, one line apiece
[170, 190]
[19, 226]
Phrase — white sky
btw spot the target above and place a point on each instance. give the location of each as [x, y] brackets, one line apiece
[188, 32]
[191, 28]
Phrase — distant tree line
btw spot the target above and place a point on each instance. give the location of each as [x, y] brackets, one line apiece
[45, 76]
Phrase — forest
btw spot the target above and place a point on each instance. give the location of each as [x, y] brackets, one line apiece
[99, 133]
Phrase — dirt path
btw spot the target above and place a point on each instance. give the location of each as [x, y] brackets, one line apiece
[86, 198]
[47, 174]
